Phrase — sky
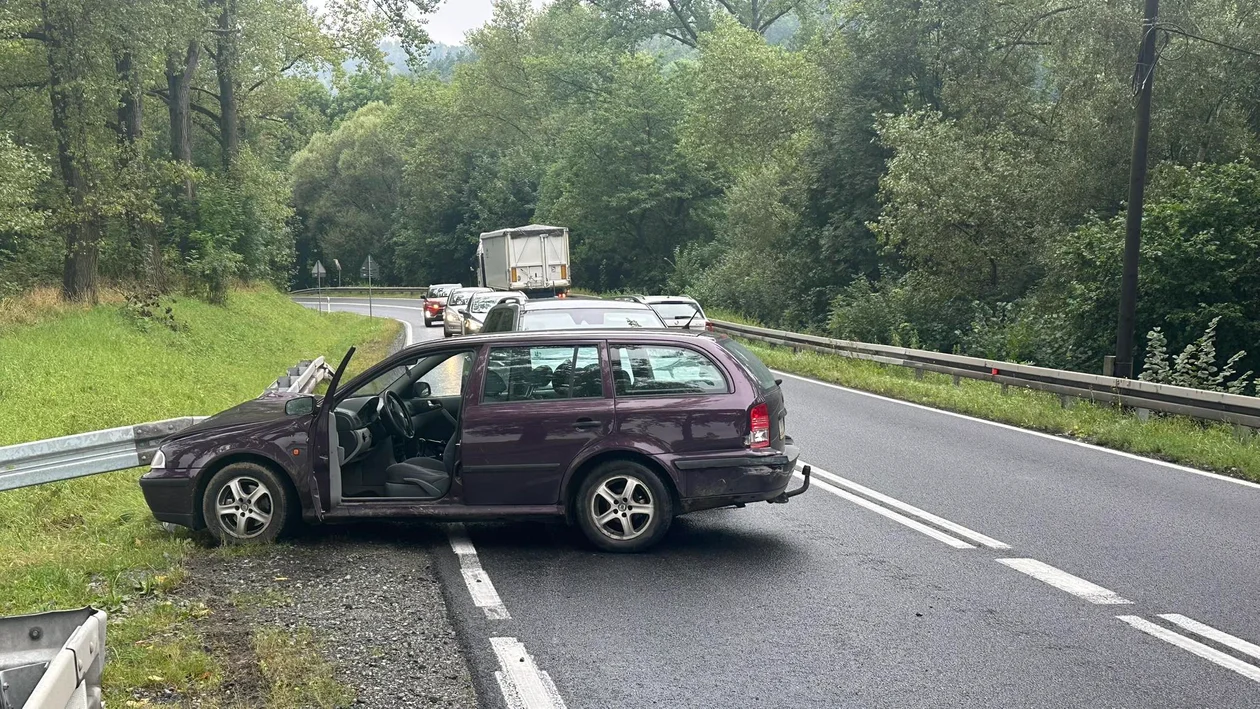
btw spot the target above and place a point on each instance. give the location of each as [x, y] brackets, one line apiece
[455, 17]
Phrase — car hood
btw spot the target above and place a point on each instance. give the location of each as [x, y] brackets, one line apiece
[268, 407]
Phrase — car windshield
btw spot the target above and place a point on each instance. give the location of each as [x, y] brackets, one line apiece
[580, 318]
[459, 297]
[750, 362]
[483, 303]
[676, 310]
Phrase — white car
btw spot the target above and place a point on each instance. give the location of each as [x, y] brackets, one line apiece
[677, 311]
[452, 318]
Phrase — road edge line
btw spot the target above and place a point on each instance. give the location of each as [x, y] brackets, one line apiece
[1194, 647]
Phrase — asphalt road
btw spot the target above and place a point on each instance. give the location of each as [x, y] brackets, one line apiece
[839, 599]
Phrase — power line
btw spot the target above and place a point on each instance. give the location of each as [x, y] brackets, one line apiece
[1176, 30]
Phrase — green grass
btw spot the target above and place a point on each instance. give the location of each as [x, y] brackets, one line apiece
[92, 541]
[298, 676]
[1173, 438]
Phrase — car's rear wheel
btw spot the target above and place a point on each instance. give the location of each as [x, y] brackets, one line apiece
[428, 322]
[246, 503]
[624, 506]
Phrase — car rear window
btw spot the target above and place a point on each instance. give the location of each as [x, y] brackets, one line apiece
[582, 318]
[439, 291]
[677, 310]
[459, 297]
[750, 362]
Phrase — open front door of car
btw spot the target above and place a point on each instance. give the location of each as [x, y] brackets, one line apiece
[324, 473]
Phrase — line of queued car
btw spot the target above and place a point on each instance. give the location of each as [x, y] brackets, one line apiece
[471, 310]
[614, 415]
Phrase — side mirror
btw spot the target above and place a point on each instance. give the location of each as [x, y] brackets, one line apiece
[462, 311]
[421, 390]
[301, 406]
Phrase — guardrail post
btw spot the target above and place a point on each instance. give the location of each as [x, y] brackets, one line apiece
[918, 373]
[957, 380]
[1243, 433]
[1067, 401]
[1143, 414]
[1005, 386]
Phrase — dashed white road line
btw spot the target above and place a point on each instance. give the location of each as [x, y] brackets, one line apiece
[1210, 654]
[913, 511]
[480, 587]
[1064, 581]
[1211, 633]
[898, 518]
[524, 686]
[1039, 434]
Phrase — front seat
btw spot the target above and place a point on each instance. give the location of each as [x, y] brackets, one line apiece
[427, 478]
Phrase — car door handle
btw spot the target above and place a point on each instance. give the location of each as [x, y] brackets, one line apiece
[587, 423]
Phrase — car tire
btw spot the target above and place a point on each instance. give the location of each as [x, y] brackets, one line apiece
[445, 332]
[247, 503]
[616, 522]
[428, 322]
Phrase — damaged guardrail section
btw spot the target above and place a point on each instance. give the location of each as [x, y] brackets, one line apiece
[1242, 411]
[52, 660]
[112, 449]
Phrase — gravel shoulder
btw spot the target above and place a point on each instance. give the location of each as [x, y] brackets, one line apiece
[369, 595]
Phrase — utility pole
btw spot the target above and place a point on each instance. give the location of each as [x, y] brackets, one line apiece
[1143, 84]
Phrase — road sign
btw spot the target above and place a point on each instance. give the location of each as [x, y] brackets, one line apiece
[370, 269]
[318, 270]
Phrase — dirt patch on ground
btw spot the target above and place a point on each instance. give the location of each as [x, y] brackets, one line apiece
[369, 594]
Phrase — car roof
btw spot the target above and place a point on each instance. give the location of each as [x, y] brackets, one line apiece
[576, 304]
[649, 334]
[504, 293]
[657, 299]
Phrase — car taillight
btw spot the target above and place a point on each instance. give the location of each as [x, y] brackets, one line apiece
[759, 427]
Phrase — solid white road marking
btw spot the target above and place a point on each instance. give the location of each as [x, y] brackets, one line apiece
[1229, 662]
[480, 587]
[900, 519]
[911, 510]
[1211, 633]
[1064, 581]
[524, 686]
[1039, 434]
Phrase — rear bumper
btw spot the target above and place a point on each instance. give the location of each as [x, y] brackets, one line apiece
[736, 479]
[171, 499]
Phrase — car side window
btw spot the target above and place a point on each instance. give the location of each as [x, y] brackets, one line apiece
[543, 373]
[654, 370]
[498, 320]
[447, 378]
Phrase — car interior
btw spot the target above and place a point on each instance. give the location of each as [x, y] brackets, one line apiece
[396, 435]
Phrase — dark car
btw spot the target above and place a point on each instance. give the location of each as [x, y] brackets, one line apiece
[617, 431]
[569, 314]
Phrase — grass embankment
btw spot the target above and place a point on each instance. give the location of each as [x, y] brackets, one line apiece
[92, 541]
[1173, 438]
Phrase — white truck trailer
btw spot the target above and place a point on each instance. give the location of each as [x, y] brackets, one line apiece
[533, 259]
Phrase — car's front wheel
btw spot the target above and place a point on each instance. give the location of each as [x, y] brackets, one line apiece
[624, 506]
[246, 503]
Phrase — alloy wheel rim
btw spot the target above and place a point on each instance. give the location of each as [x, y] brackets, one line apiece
[244, 507]
[622, 507]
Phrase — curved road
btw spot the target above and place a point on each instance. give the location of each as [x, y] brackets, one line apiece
[939, 561]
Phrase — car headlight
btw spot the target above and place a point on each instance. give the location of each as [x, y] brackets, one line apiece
[159, 461]
[472, 325]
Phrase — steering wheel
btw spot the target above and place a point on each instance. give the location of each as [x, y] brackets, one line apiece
[394, 415]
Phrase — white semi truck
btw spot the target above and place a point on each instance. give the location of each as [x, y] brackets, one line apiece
[533, 259]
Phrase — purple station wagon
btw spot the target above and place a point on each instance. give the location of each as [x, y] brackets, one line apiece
[615, 431]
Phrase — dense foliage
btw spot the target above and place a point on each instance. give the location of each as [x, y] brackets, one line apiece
[948, 175]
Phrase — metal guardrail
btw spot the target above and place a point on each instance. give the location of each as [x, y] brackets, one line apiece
[419, 291]
[52, 660]
[303, 378]
[1242, 411]
[122, 448]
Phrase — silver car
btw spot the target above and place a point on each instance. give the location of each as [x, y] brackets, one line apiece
[678, 311]
[480, 305]
[452, 318]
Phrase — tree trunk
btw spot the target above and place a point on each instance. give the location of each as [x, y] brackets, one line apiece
[225, 67]
[83, 233]
[179, 76]
[143, 234]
